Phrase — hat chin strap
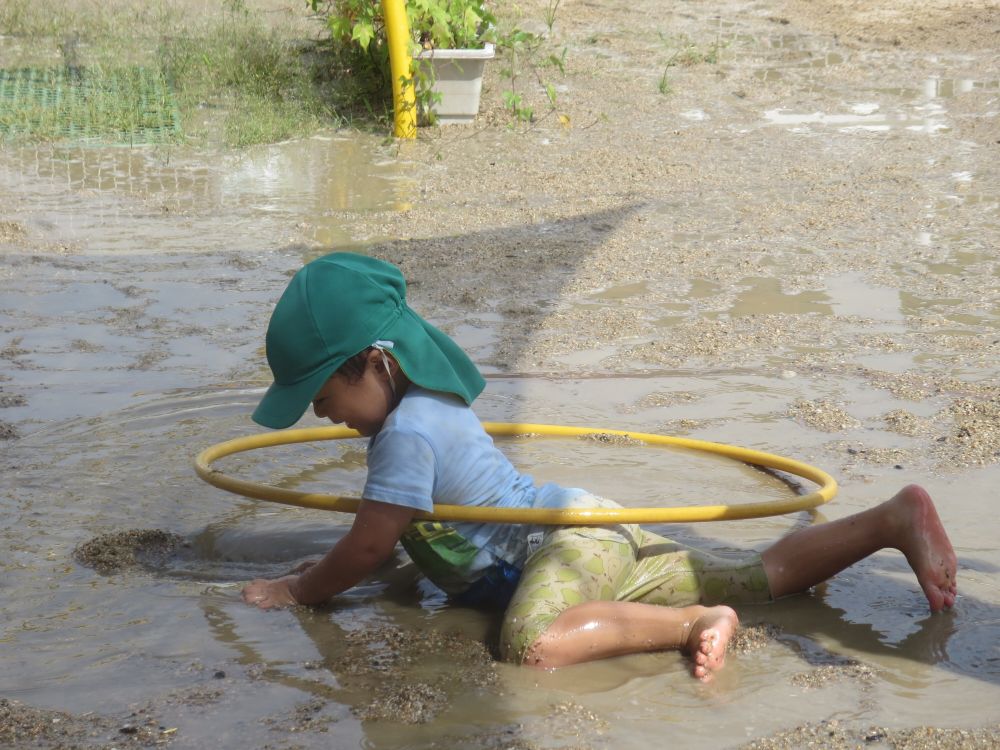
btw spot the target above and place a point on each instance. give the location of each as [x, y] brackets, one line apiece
[381, 346]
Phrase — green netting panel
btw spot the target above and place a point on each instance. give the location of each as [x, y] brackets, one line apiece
[123, 105]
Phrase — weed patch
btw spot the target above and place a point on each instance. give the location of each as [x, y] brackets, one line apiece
[123, 74]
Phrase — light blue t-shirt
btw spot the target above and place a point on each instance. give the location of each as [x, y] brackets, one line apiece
[433, 449]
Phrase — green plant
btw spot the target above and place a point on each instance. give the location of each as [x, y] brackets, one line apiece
[358, 37]
[519, 48]
[524, 54]
[664, 86]
[243, 82]
[550, 13]
[229, 76]
[433, 23]
[688, 53]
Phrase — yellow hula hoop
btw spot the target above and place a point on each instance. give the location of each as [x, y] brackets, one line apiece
[542, 516]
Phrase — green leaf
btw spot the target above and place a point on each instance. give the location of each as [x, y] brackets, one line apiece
[471, 26]
[363, 33]
[339, 27]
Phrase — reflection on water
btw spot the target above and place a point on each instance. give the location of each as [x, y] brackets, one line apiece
[928, 118]
[308, 183]
[762, 296]
[945, 88]
[918, 108]
[851, 295]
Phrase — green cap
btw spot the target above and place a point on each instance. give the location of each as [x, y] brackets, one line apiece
[337, 306]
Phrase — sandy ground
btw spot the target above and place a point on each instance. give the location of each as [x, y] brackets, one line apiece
[625, 231]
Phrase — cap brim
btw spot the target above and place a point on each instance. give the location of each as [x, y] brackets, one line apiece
[284, 405]
[431, 359]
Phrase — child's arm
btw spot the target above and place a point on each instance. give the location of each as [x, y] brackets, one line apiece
[369, 543]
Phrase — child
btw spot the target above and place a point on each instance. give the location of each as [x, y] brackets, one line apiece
[343, 339]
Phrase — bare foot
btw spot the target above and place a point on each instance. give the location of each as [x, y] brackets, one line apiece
[708, 639]
[925, 543]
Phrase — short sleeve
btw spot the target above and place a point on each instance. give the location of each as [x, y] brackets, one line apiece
[401, 469]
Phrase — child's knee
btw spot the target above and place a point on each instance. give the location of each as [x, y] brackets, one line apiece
[515, 643]
[523, 625]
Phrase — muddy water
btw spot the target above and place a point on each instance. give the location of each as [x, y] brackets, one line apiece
[796, 251]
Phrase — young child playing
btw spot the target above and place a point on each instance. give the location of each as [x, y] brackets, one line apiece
[343, 339]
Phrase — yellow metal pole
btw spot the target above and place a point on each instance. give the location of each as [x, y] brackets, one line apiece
[404, 100]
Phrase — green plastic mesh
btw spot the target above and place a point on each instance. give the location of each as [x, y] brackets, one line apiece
[123, 105]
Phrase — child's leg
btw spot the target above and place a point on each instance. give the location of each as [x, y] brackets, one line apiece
[601, 629]
[908, 522]
[566, 609]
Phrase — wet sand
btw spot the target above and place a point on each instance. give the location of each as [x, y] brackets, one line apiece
[794, 249]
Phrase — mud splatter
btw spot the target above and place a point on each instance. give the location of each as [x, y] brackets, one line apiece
[975, 437]
[903, 422]
[8, 400]
[610, 439]
[750, 638]
[132, 548]
[570, 719]
[858, 453]
[738, 339]
[414, 703]
[403, 674]
[198, 695]
[671, 398]
[82, 345]
[836, 736]
[388, 648]
[22, 726]
[823, 415]
[306, 717]
[850, 669]
[13, 349]
[685, 426]
[11, 231]
[508, 737]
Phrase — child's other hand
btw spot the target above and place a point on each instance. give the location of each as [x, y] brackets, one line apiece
[268, 594]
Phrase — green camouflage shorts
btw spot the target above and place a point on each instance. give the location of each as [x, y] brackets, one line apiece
[621, 563]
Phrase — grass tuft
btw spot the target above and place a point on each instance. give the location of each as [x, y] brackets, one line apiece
[234, 79]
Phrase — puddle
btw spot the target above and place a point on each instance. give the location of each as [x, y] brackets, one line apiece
[929, 119]
[301, 189]
[764, 296]
[163, 632]
[731, 282]
[912, 304]
[852, 295]
[946, 88]
[921, 109]
[622, 292]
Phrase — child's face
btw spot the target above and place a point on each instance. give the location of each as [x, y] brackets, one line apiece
[361, 404]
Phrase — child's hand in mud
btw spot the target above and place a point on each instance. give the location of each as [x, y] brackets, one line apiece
[269, 594]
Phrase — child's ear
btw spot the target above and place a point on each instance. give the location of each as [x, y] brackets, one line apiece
[382, 362]
[375, 360]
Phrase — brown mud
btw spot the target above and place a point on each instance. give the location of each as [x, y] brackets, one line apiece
[119, 551]
[788, 240]
[24, 726]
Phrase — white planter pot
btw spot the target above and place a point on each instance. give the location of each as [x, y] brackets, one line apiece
[457, 75]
